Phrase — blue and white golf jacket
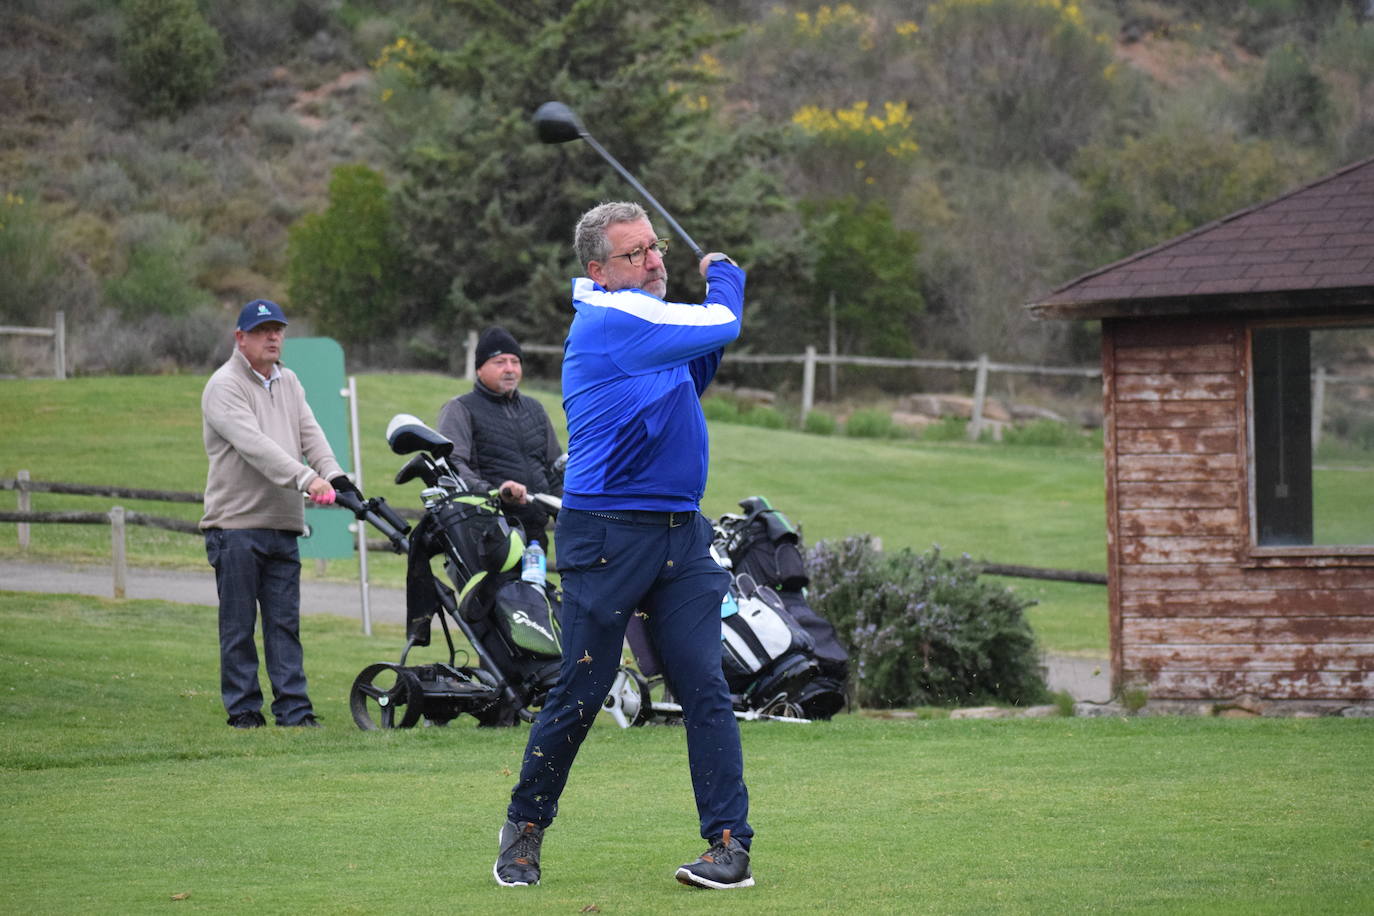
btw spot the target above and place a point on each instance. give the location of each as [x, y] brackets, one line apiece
[634, 368]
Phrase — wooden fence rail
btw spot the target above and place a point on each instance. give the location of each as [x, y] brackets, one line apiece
[82, 489]
[102, 518]
[117, 517]
[58, 333]
[982, 367]
[1037, 572]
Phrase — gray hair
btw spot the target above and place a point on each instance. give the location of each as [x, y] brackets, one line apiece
[589, 238]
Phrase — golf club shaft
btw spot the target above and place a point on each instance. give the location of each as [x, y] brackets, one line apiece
[681, 233]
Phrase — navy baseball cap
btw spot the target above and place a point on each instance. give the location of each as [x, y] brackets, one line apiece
[258, 311]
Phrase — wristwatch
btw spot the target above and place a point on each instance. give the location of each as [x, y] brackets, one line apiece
[715, 256]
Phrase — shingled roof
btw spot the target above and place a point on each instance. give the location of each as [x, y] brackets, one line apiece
[1310, 248]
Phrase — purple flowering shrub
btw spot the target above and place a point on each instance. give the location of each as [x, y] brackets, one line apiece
[921, 629]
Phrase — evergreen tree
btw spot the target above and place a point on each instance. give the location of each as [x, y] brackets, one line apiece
[169, 53]
[869, 268]
[489, 212]
[345, 265]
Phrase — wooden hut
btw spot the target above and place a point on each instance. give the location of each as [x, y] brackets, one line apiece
[1238, 375]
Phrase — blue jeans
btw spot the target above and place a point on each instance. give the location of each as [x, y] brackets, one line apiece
[609, 570]
[259, 567]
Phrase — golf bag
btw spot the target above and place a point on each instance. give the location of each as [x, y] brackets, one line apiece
[774, 645]
[782, 661]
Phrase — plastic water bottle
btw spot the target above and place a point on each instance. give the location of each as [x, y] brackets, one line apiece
[534, 565]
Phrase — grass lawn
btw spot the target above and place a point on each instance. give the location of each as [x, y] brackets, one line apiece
[124, 790]
[1030, 506]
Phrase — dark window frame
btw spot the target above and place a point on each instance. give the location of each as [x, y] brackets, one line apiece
[1294, 430]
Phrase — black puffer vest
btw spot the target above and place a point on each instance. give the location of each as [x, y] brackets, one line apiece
[509, 441]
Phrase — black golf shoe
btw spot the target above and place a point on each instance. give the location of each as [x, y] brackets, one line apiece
[517, 865]
[250, 719]
[723, 866]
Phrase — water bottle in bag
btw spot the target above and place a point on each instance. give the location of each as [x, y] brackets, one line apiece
[534, 565]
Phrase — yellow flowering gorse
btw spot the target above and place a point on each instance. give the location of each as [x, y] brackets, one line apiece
[892, 126]
[816, 25]
[1069, 11]
[397, 55]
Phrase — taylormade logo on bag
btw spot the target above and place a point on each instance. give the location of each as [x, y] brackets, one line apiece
[525, 620]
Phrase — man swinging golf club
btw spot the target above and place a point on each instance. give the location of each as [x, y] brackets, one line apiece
[631, 538]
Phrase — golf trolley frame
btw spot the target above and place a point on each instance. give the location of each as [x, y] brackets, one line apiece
[498, 691]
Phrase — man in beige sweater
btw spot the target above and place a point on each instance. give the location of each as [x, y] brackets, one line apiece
[257, 426]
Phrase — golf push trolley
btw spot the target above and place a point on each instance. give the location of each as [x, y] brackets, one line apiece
[511, 624]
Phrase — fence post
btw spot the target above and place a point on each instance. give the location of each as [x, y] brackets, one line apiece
[470, 360]
[59, 344]
[118, 553]
[834, 352]
[808, 383]
[980, 390]
[1318, 405]
[25, 505]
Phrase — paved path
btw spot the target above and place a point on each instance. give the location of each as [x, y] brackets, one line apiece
[387, 605]
[1085, 679]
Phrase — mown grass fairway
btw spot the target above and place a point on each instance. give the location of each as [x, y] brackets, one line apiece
[1020, 505]
[124, 790]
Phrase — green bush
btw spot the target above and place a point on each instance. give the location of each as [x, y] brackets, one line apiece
[922, 629]
[819, 424]
[1042, 432]
[719, 409]
[871, 424]
[104, 187]
[160, 271]
[345, 263]
[764, 416]
[170, 54]
[29, 262]
[946, 429]
[1010, 81]
[1291, 99]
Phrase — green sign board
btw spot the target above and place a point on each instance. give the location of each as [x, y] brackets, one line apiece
[319, 363]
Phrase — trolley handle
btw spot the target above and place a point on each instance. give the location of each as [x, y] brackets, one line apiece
[379, 515]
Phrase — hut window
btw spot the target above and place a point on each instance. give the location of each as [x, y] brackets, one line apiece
[1312, 419]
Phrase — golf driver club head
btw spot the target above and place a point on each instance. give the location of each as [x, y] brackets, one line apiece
[556, 123]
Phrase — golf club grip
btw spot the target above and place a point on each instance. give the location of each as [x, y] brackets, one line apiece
[388, 513]
[653, 201]
[399, 542]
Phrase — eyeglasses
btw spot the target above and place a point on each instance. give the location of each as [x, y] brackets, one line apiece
[636, 256]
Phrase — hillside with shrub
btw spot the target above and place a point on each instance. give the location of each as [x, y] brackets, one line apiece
[902, 176]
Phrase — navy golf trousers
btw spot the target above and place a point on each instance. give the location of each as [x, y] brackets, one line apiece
[613, 565]
[259, 567]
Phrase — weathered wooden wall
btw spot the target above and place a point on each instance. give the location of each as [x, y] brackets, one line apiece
[1194, 614]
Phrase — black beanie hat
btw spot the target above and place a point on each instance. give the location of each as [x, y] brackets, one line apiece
[494, 342]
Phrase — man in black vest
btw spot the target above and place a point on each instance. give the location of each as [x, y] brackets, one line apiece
[502, 439]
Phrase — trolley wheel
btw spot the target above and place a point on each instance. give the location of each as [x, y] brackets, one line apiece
[385, 696]
[782, 705]
[499, 713]
[628, 702]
